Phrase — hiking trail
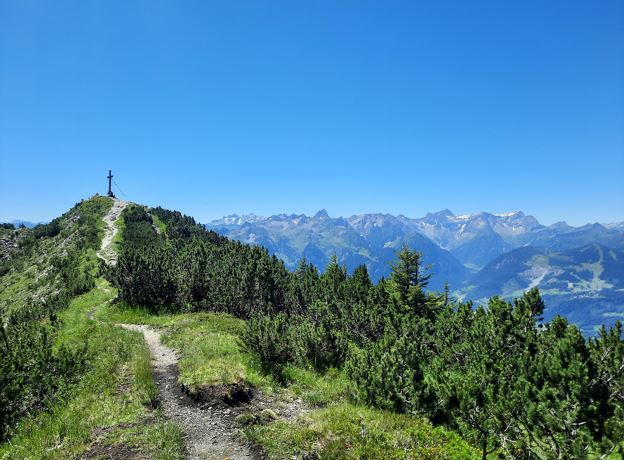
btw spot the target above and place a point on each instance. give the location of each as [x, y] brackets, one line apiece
[209, 433]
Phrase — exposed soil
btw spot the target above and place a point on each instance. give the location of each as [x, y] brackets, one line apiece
[115, 451]
[221, 395]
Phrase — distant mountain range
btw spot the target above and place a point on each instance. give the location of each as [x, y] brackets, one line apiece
[25, 223]
[580, 270]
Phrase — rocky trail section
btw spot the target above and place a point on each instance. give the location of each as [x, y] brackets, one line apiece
[210, 433]
[107, 252]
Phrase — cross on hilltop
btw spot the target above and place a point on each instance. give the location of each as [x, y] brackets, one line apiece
[110, 179]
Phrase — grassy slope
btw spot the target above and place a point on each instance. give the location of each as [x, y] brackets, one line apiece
[345, 431]
[333, 427]
[112, 403]
[32, 274]
[162, 227]
[112, 406]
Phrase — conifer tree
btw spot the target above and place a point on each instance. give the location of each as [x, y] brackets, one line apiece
[408, 282]
[607, 352]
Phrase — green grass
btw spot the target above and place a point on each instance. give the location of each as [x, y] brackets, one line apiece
[13, 291]
[160, 225]
[209, 358]
[346, 431]
[120, 313]
[317, 390]
[89, 262]
[116, 392]
[160, 441]
[76, 326]
[144, 385]
[212, 352]
[118, 238]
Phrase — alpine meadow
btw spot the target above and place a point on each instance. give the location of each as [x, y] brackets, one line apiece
[194, 304]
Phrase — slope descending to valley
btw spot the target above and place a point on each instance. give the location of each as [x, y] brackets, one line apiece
[39, 263]
[584, 284]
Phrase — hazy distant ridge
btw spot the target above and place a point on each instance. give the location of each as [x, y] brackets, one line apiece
[579, 269]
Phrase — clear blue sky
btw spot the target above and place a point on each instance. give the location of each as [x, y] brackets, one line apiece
[292, 106]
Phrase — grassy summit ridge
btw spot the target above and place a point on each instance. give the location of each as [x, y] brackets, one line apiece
[70, 386]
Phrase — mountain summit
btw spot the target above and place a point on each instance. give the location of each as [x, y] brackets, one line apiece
[322, 214]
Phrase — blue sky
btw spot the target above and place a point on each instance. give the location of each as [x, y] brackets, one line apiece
[292, 106]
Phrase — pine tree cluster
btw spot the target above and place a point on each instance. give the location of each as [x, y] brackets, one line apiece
[497, 374]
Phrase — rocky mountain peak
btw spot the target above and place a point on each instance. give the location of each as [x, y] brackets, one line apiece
[322, 214]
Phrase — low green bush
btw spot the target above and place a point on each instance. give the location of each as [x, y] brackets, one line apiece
[33, 372]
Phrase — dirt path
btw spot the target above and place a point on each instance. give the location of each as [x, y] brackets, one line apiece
[107, 252]
[209, 433]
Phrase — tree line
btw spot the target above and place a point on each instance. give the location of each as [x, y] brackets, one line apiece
[507, 382]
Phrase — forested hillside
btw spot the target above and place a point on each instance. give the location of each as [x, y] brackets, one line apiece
[508, 383]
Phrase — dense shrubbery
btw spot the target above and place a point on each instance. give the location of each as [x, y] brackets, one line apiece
[194, 270]
[47, 230]
[140, 230]
[494, 374]
[32, 370]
